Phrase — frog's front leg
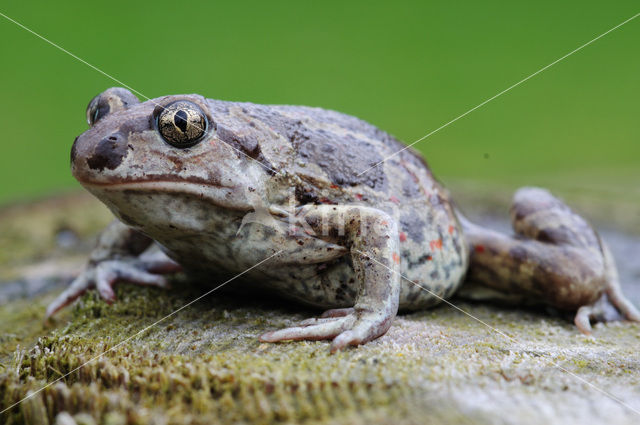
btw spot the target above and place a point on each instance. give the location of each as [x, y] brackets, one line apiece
[371, 236]
[117, 258]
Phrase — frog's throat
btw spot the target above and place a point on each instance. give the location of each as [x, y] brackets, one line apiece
[221, 196]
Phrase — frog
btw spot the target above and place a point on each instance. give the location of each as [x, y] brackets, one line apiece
[322, 208]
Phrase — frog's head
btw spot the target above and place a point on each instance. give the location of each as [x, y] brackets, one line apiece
[159, 154]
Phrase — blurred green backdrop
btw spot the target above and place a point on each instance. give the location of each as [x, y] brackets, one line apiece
[408, 67]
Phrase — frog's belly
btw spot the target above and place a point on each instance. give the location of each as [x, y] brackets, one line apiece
[333, 285]
[327, 284]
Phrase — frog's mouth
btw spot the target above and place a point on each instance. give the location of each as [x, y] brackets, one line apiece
[122, 194]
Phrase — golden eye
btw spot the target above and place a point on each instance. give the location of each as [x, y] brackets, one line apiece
[182, 124]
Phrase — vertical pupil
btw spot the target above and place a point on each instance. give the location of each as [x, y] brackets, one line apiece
[180, 120]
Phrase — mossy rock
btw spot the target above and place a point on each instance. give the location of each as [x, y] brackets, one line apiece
[129, 363]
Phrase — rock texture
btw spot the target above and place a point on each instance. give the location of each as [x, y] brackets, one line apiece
[128, 364]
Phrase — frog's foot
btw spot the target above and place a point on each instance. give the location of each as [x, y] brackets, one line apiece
[611, 306]
[346, 326]
[145, 270]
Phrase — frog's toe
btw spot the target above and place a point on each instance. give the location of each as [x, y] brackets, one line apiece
[104, 275]
[620, 302]
[351, 328]
[607, 308]
[108, 273]
[78, 287]
[367, 327]
[319, 329]
[583, 319]
[157, 262]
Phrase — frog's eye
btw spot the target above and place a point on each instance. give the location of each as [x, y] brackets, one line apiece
[95, 112]
[182, 124]
[111, 100]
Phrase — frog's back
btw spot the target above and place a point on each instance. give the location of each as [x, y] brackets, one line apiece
[337, 156]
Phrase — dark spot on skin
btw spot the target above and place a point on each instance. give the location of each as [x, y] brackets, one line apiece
[434, 274]
[406, 255]
[341, 157]
[519, 254]
[569, 235]
[246, 144]
[412, 226]
[312, 221]
[177, 162]
[128, 220]
[269, 232]
[109, 153]
[410, 189]
[180, 120]
[305, 195]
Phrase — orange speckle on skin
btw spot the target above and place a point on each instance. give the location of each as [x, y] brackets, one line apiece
[429, 258]
[325, 201]
[403, 237]
[394, 200]
[451, 230]
[479, 248]
[359, 196]
[334, 186]
[436, 244]
[396, 258]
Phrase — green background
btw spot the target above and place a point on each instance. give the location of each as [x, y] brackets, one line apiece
[408, 67]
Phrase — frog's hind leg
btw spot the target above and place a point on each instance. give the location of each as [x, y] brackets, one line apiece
[555, 257]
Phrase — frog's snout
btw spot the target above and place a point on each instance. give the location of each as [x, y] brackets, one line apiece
[104, 146]
[89, 158]
[109, 152]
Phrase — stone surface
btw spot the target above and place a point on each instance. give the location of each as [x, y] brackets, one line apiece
[127, 363]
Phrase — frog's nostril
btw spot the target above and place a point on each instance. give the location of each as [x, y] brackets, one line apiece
[108, 153]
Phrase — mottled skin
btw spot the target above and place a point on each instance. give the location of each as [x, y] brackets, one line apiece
[221, 186]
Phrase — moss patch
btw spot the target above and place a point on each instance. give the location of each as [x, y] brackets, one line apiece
[204, 365]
